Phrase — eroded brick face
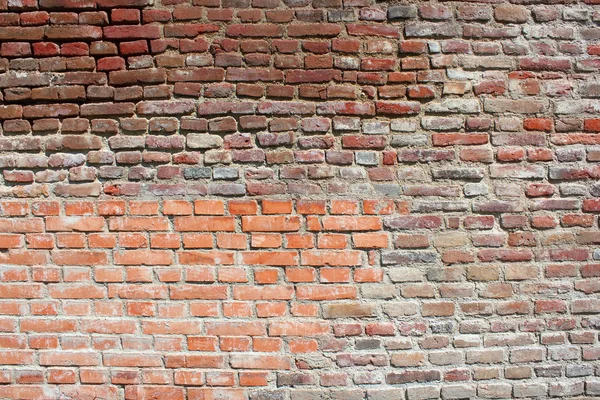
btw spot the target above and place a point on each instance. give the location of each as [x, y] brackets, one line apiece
[299, 199]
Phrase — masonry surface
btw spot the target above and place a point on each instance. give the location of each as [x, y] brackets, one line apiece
[299, 199]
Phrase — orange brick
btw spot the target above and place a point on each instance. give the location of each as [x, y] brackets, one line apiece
[252, 378]
[143, 207]
[370, 240]
[266, 275]
[266, 240]
[243, 207]
[344, 207]
[209, 207]
[332, 241]
[299, 240]
[271, 309]
[165, 241]
[226, 274]
[300, 274]
[197, 241]
[231, 241]
[331, 275]
[277, 206]
[176, 207]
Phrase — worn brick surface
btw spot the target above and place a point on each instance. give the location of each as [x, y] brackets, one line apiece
[299, 199]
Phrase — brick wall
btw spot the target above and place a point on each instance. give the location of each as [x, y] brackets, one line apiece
[299, 200]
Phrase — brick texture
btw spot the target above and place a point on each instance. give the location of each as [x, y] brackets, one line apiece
[299, 199]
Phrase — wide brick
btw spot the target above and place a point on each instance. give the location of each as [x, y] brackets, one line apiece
[204, 224]
[22, 33]
[509, 13]
[80, 32]
[131, 32]
[271, 223]
[398, 108]
[258, 30]
[166, 108]
[298, 328]
[413, 376]
[300, 30]
[346, 310]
